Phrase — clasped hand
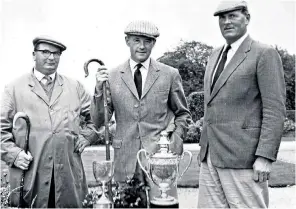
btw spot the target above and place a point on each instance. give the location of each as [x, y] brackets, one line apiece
[23, 160]
[261, 169]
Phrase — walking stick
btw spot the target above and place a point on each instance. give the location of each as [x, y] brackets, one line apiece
[106, 118]
[26, 118]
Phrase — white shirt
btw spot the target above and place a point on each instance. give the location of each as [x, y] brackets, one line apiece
[40, 76]
[234, 46]
[144, 70]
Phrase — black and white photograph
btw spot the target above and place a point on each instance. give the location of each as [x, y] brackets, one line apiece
[147, 104]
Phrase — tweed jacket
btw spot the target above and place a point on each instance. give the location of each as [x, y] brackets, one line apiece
[139, 121]
[55, 127]
[245, 112]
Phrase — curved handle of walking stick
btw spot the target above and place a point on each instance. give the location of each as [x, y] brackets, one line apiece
[89, 61]
[26, 118]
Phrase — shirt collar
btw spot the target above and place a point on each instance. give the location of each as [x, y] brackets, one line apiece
[237, 43]
[39, 75]
[145, 64]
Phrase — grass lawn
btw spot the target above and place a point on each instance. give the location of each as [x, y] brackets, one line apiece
[283, 173]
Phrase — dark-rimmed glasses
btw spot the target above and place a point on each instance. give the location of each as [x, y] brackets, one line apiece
[47, 53]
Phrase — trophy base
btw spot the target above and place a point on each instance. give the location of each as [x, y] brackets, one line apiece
[103, 205]
[176, 205]
[169, 202]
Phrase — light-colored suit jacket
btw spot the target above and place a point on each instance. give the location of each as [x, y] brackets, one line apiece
[245, 112]
[55, 128]
[140, 121]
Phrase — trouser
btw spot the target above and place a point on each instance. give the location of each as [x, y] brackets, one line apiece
[230, 188]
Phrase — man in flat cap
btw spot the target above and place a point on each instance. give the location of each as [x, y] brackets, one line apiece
[244, 115]
[55, 106]
[146, 96]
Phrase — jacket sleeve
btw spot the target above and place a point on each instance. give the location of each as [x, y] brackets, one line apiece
[87, 128]
[178, 104]
[271, 84]
[9, 150]
[97, 107]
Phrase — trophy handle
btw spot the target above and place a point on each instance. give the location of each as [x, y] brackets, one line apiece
[139, 161]
[189, 162]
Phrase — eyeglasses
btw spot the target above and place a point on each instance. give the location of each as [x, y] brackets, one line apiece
[47, 53]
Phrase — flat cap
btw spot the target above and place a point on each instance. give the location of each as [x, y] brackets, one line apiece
[49, 40]
[142, 28]
[228, 6]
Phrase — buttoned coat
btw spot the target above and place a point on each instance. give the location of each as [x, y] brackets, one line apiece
[55, 127]
[140, 121]
[245, 112]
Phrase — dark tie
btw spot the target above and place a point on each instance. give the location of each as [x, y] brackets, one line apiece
[220, 66]
[138, 79]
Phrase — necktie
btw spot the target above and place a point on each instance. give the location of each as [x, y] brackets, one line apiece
[138, 79]
[220, 66]
[48, 85]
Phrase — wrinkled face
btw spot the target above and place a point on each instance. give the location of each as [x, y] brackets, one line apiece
[233, 25]
[47, 58]
[140, 47]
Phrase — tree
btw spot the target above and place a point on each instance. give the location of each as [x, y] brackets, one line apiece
[288, 61]
[191, 60]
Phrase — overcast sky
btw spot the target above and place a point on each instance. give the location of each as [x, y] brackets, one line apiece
[94, 29]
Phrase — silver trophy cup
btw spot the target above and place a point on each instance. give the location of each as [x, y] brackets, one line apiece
[103, 172]
[163, 169]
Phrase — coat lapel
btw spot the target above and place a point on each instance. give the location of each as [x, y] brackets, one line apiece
[236, 60]
[37, 88]
[57, 89]
[210, 69]
[151, 77]
[127, 77]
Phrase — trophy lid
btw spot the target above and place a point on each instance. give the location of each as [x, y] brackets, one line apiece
[164, 151]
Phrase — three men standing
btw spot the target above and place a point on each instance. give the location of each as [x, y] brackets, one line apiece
[244, 91]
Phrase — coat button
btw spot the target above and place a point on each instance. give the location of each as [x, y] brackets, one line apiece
[136, 105]
[47, 182]
[50, 157]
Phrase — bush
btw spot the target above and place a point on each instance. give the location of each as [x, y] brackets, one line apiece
[291, 115]
[196, 105]
[131, 194]
[289, 125]
[194, 132]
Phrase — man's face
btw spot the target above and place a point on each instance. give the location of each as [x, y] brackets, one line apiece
[233, 25]
[140, 47]
[46, 63]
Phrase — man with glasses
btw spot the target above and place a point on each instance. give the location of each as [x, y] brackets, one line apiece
[56, 106]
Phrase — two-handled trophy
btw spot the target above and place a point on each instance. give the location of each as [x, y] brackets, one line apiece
[103, 170]
[163, 170]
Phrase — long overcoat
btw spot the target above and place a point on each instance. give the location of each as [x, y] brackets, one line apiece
[55, 127]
